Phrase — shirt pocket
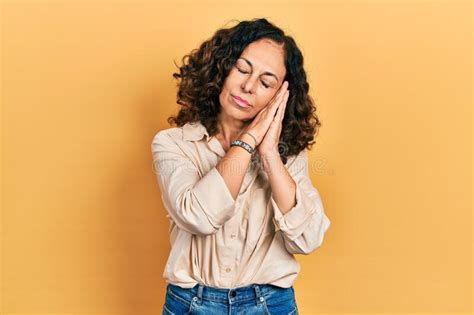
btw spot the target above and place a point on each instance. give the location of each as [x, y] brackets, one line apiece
[257, 217]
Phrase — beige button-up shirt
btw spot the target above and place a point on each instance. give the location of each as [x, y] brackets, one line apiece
[225, 243]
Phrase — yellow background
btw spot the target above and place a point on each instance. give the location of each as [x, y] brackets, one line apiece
[87, 84]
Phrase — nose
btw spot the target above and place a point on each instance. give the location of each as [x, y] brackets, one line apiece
[248, 85]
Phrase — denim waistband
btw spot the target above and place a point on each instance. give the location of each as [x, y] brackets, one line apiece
[227, 296]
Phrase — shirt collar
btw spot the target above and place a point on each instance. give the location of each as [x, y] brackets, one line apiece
[194, 131]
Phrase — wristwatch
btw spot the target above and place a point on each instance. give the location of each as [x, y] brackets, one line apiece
[244, 145]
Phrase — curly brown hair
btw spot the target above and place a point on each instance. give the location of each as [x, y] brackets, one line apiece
[204, 71]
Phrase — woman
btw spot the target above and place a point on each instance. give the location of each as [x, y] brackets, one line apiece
[234, 175]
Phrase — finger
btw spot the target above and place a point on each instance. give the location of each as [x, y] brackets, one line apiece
[279, 130]
[281, 108]
[278, 118]
[279, 93]
[283, 89]
[271, 110]
[284, 85]
[273, 128]
[274, 107]
[285, 102]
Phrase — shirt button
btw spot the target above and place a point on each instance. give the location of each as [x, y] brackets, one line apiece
[277, 223]
[233, 235]
[227, 269]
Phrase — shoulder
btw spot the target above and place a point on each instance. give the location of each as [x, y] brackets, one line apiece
[169, 140]
[297, 162]
[300, 157]
[168, 136]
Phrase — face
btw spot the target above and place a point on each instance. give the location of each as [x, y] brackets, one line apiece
[255, 78]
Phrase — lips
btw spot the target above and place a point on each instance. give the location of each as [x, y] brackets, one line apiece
[241, 101]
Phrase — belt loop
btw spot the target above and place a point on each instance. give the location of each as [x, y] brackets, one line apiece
[199, 291]
[258, 293]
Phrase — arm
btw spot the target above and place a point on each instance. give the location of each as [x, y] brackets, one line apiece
[199, 204]
[297, 206]
[233, 166]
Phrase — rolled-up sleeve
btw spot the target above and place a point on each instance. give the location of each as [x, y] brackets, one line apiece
[303, 226]
[199, 204]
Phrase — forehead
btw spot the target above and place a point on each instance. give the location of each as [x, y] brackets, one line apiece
[266, 55]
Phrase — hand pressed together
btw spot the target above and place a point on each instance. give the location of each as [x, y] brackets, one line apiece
[267, 125]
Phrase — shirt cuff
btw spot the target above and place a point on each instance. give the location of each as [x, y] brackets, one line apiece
[294, 222]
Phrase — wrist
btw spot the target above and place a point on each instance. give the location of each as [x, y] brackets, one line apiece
[270, 160]
[270, 155]
[247, 138]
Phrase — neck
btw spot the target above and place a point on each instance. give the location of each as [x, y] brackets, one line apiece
[229, 129]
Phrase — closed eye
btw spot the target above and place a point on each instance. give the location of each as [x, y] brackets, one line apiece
[263, 83]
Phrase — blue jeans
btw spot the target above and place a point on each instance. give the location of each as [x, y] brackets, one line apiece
[253, 299]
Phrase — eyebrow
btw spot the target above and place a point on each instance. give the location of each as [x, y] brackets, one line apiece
[265, 73]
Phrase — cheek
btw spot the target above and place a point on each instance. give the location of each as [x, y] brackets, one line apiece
[265, 99]
[225, 92]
